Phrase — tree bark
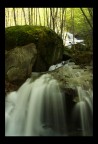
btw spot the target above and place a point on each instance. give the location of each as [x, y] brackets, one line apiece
[63, 9]
[90, 12]
[44, 16]
[31, 16]
[21, 16]
[36, 16]
[54, 16]
[50, 17]
[24, 15]
[17, 15]
[47, 17]
[14, 16]
[39, 17]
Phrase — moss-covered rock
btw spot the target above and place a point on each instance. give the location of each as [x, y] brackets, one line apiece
[48, 43]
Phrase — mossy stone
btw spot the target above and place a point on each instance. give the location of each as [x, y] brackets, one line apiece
[48, 43]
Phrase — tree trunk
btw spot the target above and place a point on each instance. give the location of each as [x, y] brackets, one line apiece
[21, 16]
[17, 15]
[8, 21]
[63, 9]
[36, 16]
[47, 17]
[14, 16]
[55, 17]
[87, 19]
[44, 16]
[50, 17]
[65, 18]
[31, 16]
[53, 20]
[24, 16]
[39, 17]
[90, 10]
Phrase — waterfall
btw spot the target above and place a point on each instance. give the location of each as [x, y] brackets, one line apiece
[36, 109]
[40, 106]
[84, 111]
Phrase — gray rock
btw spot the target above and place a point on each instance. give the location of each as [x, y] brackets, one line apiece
[19, 62]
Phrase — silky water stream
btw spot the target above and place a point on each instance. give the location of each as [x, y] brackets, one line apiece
[38, 108]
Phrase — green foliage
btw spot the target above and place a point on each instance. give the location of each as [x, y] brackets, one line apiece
[81, 26]
[80, 22]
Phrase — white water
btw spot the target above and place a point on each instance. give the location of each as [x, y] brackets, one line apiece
[37, 109]
[53, 67]
[84, 110]
[81, 80]
[68, 40]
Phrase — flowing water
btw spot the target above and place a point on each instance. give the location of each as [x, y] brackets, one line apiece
[84, 111]
[38, 108]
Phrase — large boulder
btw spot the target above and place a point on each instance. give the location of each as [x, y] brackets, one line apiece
[19, 62]
[49, 45]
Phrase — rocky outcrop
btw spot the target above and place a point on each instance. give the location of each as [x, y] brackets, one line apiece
[80, 55]
[19, 62]
[49, 45]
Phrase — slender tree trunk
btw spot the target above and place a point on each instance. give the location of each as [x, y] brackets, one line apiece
[39, 17]
[90, 12]
[50, 17]
[55, 17]
[8, 18]
[24, 16]
[14, 16]
[63, 9]
[44, 16]
[47, 17]
[11, 15]
[60, 14]
[31, 16]
[86, 18]
[21, 16]
[65, 18]
[36, 16]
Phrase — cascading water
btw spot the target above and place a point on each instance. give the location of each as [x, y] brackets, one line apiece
[39, 107]
[82, 114]
[84, 110]
[36, 109]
